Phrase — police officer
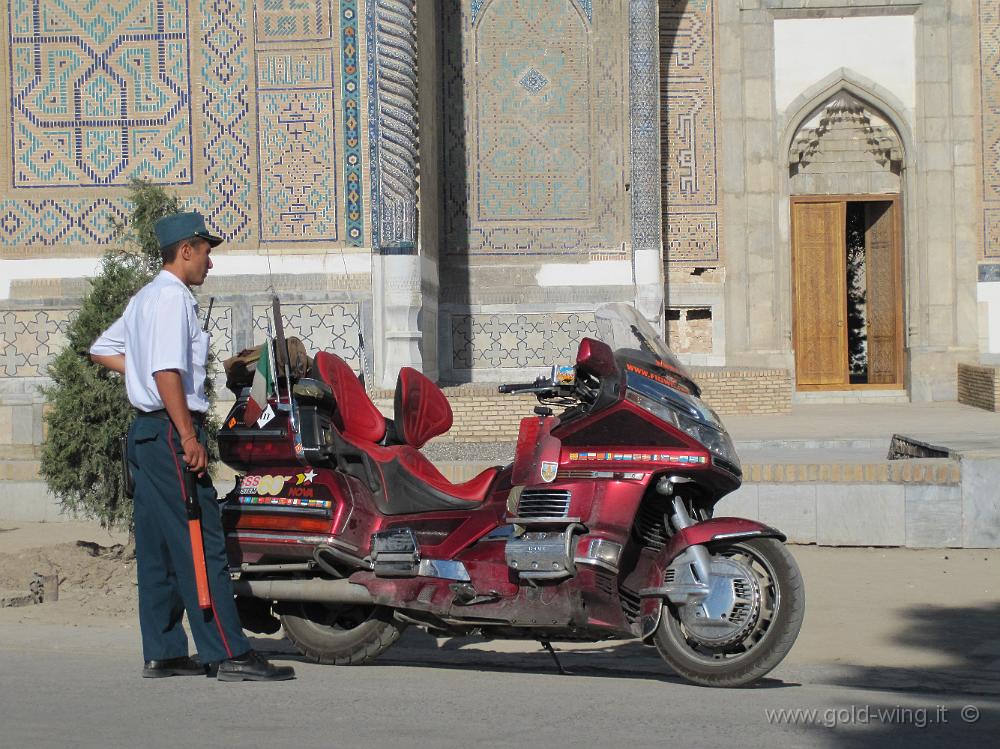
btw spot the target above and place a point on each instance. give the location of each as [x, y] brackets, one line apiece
[161, 349]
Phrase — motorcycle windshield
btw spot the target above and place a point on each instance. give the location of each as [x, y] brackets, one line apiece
[627, 332]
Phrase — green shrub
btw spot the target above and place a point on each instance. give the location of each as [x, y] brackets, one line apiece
[87, 409]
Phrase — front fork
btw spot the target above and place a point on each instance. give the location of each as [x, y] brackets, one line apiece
[687, 553]
[701, 560]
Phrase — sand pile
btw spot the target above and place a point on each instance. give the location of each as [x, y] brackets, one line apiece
[97, 579]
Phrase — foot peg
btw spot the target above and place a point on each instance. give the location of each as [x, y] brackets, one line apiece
[466, 595]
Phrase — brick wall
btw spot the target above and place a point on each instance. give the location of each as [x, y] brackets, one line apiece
[979, 386]
[481, 413]
[733, 391]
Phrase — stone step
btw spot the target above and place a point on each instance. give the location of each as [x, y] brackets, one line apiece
[19, 470]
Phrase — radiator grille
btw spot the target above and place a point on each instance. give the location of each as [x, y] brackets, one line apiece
[543, 503]
[650, 525]
[630, 603]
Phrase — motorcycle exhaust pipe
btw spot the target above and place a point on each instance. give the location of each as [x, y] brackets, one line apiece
[314, 591]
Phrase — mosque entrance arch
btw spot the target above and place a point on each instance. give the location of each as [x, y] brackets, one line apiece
[845, 165]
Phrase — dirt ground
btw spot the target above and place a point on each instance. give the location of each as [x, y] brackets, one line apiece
[928, 609]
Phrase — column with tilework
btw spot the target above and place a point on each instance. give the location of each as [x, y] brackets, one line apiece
[394, 142]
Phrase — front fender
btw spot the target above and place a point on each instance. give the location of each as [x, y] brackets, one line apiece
[704, 533]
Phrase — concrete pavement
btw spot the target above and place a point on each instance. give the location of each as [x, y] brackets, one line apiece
[894, 643]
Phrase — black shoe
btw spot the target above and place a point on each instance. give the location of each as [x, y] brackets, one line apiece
[183, 666]
[251, 667]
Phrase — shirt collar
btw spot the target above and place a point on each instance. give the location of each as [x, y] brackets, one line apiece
[167, 277]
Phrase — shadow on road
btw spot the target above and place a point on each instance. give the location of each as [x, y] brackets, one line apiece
[969, 637]
[617, 660]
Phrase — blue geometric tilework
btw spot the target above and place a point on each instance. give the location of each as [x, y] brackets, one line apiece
[692, 237]
[644, 104]
[298, 159]
[534, 81]
[533, 167]
[688, 93]
[293, 20]
[351, 93]
[533, 116]
[224, 67]
[100, 92]
[587, 5]
[50, 222]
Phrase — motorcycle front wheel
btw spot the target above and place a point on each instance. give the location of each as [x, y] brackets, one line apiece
[748, 623]
[346, 635]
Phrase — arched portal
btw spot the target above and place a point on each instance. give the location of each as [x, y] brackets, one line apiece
[845, 179]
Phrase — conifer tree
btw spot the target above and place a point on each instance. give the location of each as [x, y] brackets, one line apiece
[87, 409]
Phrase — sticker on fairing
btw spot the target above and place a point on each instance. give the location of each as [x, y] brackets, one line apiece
[549, 471]
[265, 418]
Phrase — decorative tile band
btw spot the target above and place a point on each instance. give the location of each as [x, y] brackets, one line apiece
[989, 106]
[297, 150]
[229, 172]
[351, 91]
[321, 326]
[644, 52]
[687, 36]
[513, 340]
[293, 20]
[50, 222]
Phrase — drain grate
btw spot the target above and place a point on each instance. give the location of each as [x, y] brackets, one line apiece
[907, 448]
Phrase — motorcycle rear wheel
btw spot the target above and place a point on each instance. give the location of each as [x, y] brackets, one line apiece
[767, 639]
[340, 635]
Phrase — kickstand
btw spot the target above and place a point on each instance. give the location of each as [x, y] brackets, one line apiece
[548, 646]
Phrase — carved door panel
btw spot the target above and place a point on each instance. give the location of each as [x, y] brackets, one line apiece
[820, 293]
[882, 299]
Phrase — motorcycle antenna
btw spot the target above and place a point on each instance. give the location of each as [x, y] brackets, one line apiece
[364, 360]
[208, 315]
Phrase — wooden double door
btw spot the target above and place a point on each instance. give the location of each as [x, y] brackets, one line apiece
[847, 292]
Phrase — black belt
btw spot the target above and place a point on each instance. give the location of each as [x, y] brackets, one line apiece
[161, 413]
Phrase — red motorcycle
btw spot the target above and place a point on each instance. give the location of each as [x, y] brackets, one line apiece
[601, 528]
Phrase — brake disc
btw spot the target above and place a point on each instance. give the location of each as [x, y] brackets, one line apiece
[729, 611]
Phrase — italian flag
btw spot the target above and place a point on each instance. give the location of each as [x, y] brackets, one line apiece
[262, 387]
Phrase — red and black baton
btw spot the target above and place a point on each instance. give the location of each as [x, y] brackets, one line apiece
[197, 547]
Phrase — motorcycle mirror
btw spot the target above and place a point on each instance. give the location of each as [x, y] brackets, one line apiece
[596, 357]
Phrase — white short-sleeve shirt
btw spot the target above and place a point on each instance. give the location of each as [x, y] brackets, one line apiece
[159, 330]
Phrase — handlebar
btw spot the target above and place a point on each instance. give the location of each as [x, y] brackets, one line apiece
[523, 387]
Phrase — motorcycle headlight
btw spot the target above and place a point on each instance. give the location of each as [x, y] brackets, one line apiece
[715, 440]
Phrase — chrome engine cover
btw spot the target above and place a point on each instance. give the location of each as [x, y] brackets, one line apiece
[540, 555]
[728, 611]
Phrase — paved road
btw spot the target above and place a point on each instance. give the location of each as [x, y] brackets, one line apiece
[79, 686]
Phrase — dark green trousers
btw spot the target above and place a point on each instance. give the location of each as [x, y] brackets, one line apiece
[163, 551]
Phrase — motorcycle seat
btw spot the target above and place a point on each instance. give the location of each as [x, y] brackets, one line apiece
[410, 482]
[355, 415]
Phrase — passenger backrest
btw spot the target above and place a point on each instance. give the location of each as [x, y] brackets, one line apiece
[356, 416]
[422, 411]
